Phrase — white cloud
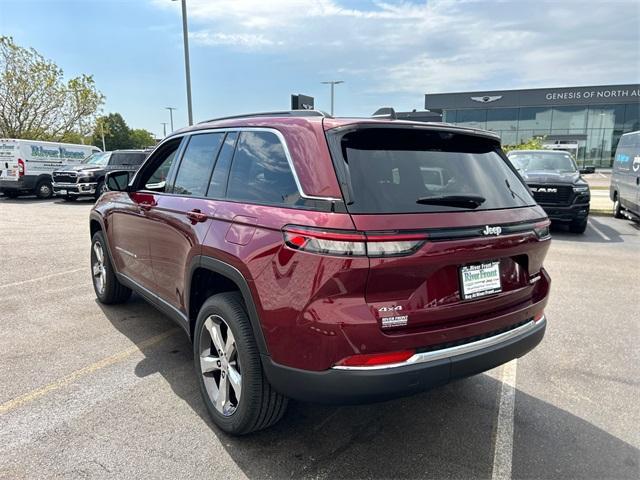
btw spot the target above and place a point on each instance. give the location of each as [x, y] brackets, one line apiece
[436, 45]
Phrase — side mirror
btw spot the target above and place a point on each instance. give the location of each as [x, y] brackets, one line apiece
[117, 180]
[588, 170]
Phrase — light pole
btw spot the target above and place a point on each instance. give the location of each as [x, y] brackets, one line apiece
[187, 68]
[164, 129]
[333, 83]
[171, 109]
[104, 148]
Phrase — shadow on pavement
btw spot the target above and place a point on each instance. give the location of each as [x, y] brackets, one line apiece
[445, 433]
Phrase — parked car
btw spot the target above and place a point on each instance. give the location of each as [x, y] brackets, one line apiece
[87, 179]
[26, 165]
[557, 185]
[306, 257]
[625, 177]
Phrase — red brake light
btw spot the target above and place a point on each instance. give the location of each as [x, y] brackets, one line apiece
[351, 243]
[373, 359]
[20, 167]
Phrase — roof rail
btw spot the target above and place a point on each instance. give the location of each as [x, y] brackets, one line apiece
[283, 113]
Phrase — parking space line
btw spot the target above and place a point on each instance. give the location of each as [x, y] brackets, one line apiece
[597, 230]
[73, 376]
[15, 284]
[503, 449]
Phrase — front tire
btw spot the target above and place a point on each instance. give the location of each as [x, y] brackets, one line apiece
[105, 283]
[578, 226]
[100, 189]
[44, 189]
[234, 387]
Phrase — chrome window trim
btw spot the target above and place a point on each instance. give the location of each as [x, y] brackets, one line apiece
[280, 137]
[441, 354]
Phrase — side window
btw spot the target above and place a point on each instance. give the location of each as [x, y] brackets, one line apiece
[218, 182]
[116, 158]
[154, 174]
[196, 164]
[260, 171]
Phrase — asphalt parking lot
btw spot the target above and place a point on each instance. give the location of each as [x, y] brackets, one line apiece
[88, 391]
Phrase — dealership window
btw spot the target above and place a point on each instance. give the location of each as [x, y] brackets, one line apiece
[449, 116]
[606, 116]
[632, 117]
[569, 117]
[502, 119]
[474, 118]
[538, 118]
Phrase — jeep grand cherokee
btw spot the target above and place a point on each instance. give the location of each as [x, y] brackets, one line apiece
[327, 260]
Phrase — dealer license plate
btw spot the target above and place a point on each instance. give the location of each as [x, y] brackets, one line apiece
[480, 279]
[61, 192]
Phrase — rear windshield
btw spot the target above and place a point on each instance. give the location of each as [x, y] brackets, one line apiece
[394, 170]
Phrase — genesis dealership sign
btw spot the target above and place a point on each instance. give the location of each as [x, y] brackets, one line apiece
[610, 94]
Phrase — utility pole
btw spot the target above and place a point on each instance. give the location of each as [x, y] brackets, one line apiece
[164, 129]
[333, 83]
[171, 109]
[104, 148]
[187, 67]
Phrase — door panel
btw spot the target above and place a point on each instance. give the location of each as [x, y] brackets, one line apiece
[127, 230]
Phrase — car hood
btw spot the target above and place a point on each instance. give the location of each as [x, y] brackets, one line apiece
[552, 178]
[80, 168]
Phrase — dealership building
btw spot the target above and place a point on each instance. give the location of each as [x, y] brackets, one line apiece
[587, 121]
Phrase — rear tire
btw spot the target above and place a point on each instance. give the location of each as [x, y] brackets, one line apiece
[44, 189]
[617, 208]
[231, 365]
[578, 226]
[105, 283]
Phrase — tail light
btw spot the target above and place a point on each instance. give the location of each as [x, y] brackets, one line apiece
[376, 359]
[351, 243]
[20, 167]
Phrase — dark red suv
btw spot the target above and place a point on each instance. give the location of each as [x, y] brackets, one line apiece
[327, 260]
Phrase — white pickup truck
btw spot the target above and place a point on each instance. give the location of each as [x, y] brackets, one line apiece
[26, 165]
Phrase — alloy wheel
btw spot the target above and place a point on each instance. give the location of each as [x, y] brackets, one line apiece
[98, 269]
[220, 365]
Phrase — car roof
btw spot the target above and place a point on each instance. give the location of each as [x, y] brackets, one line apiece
[322, 120]
[559, 152]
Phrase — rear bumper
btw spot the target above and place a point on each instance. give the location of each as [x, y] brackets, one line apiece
[24, 184]
[75, 189]
[567, 213]
[364, 385]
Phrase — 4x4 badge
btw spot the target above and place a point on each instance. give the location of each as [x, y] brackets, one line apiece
[492, 230]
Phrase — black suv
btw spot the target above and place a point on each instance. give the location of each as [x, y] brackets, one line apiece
[556, 184]
[87, 179]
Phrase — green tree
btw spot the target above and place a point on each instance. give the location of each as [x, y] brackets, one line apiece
[534, 143]
[141, 138]
[116, 132]
[35, 101]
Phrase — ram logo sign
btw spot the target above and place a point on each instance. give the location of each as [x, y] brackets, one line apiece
[544, 189]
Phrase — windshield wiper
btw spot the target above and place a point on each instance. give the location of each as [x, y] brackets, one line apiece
[462, 201]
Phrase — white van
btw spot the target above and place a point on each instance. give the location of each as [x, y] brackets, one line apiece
[26, 165]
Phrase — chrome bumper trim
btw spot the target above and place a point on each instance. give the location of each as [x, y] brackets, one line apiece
[457, 350]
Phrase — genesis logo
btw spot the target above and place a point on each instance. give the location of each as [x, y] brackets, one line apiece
[492, 230]
[486, 98]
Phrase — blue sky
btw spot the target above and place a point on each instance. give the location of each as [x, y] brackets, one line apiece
[250, 55]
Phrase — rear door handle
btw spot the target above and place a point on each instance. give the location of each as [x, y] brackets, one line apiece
[196, 216]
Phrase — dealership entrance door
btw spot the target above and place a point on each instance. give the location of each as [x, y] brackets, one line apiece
[575, 144]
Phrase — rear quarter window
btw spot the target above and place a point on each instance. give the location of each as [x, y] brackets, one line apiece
[399, 170]
[260, 171]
